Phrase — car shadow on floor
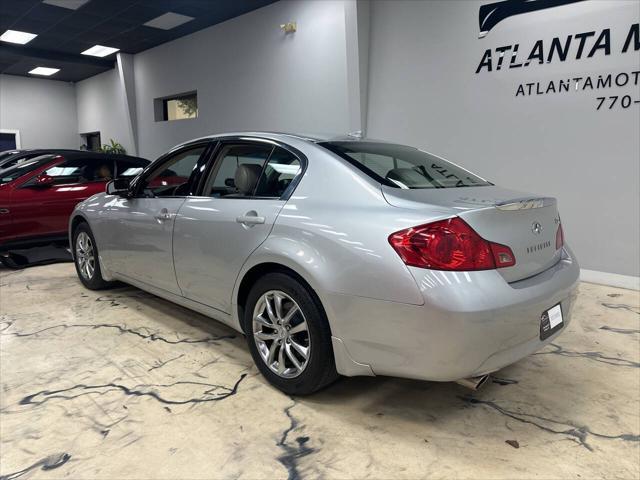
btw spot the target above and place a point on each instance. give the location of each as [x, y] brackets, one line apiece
[30, 257]
[393, 398]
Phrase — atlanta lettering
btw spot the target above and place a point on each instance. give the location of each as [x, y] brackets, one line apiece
[576, 46]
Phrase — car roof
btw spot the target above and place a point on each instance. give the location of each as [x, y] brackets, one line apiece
[282, 136]
[73, 154]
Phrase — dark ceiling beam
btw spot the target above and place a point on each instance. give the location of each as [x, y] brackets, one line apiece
[23, 51]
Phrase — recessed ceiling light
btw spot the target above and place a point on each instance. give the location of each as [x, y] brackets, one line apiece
[168, 21]
[46, 71]
[70, 4]
[14, 36]
[100, 51]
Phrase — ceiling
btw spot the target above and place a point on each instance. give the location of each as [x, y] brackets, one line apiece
[63, 32]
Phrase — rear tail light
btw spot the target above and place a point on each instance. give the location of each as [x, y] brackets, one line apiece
[559, 238]
[449, 245]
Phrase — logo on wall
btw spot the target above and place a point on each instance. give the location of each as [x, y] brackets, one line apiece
[493, 13]
[577, 46]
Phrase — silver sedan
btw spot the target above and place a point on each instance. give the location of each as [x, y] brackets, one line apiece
[337, 256]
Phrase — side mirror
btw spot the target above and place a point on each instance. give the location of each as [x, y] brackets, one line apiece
[119, 186]
[44, 180]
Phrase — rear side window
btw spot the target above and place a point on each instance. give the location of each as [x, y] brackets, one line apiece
[404, 167]
[23, 168]
[280, 171]
[13, 160]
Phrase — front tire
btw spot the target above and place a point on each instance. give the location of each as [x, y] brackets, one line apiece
[288, 335]
[85, 258]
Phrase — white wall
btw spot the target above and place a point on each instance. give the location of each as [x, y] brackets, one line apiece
[249, 75]
[101, 109]
[413, 69]
[423, 90]
[44, 111]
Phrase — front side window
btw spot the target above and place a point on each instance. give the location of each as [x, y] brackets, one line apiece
[404, 167]
[172, 178]
[237, 171]
[81, 171]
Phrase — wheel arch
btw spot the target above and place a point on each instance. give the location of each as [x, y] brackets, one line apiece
[76, 219]
[259, 269]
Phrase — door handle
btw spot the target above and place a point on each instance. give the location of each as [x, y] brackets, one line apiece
[164, 215]
[4, 210]
[250, 218]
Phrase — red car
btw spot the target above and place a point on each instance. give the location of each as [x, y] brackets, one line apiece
[38, 195]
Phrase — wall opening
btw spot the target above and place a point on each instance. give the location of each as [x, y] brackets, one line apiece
[92, 141]
[176, 107]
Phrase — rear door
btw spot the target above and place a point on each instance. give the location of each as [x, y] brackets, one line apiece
[215, 232]
[137, 234]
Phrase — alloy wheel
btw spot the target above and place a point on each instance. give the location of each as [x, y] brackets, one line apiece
[85, 255]
[281, 334]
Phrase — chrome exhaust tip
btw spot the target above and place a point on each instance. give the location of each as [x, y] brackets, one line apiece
[473, 383]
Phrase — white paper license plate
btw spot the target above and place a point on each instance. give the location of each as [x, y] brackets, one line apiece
[551, 321]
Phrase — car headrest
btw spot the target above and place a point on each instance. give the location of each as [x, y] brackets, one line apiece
[405, 176]
[246, 177]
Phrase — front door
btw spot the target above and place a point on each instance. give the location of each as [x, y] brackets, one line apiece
[137, 239]
[217, 231]
[43, 209]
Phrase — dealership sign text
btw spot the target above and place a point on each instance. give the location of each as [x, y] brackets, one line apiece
[577, 46]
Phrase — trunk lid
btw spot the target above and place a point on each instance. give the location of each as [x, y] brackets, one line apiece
[525, 223]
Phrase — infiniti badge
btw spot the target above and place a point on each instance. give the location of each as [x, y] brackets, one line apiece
[536, 228]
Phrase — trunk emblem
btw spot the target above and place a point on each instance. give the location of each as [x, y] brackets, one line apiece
[536, 228]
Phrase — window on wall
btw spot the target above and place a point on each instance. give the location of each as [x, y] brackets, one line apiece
[176, 107]
[92, 141]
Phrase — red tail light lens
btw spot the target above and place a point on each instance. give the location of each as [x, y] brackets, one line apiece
[449, 245]
[559, 238]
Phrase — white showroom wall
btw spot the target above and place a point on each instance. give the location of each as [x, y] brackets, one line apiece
[249, 75]
[407, 71]
[101, 109]
[43, 111]
[424, 91]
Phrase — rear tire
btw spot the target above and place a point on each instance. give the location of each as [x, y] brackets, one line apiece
[85, 258]
[288, 335]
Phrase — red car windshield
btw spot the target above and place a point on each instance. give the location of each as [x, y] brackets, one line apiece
[12, 173]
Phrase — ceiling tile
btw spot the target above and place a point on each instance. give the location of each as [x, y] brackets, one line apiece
[115, 23]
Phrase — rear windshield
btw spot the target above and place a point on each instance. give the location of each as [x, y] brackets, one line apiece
[404, 167]
[22, 168]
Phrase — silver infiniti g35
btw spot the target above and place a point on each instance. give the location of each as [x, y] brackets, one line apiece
[337, 256]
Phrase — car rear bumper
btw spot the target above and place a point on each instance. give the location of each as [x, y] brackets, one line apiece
[471, 323]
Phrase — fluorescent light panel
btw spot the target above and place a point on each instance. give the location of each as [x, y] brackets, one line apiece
[100, 51]
[14, 36]
[168, 21]
[45, 71]
[69, 4]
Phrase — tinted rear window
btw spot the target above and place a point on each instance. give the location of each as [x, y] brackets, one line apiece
[405, 167]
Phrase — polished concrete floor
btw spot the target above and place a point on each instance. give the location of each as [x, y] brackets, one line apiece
[121, 384]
